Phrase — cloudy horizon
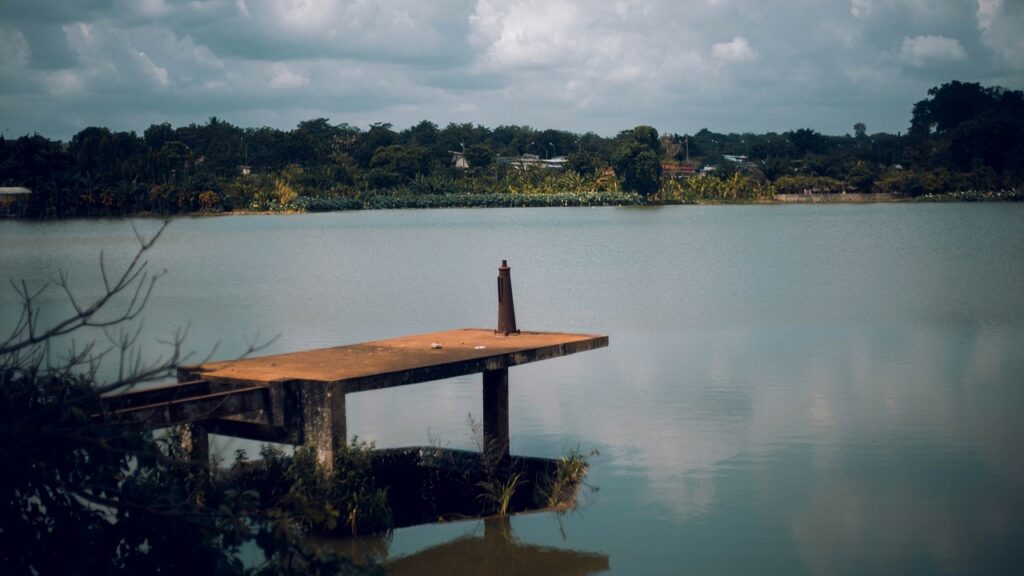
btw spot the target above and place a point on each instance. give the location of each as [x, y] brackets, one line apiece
[601, 66]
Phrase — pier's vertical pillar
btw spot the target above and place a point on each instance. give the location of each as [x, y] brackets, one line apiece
[323, 420]
[195, 443]
[496, 415]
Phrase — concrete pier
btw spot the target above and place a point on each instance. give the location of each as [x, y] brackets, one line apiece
[299, 398]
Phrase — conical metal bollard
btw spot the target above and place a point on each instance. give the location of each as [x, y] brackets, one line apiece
[506, 308]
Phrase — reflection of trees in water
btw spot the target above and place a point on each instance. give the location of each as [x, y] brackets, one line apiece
[369, 550]
[497, 552]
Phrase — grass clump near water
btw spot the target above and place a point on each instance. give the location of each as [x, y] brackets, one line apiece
[568, 476]
[372, 491]
[497, 494]
[347, 500]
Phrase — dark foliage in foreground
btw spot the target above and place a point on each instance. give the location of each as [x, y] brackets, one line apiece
[85, 493]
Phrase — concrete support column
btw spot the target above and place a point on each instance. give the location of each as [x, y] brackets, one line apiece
[496, 415]
[323, 420]
[195, 443]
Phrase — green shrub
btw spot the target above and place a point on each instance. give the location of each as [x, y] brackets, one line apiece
[797, 184]
[347, 500]
[571, 469]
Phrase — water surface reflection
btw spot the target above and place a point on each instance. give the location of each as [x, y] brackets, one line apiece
[788, 390]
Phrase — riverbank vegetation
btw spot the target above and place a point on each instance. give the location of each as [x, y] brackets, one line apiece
[965, 142]
[88, 492]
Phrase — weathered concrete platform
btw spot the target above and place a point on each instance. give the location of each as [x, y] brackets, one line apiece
[299, 397]
[401, 361]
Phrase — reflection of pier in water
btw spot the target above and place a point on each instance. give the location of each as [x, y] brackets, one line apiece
[498, 552]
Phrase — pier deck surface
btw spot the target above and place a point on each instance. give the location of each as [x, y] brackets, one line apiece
[403, 360]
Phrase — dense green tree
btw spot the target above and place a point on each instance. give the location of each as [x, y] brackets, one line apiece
[861, 176]
[774, 167]
[637, 160]
[158, 134]
[965, 126]
[397, 165]
[583, 163]
[950, 105]
[806, 141]
[425, 134]
[312, 141]
[380, 135]
[512, 140]
[107, 155]
[479, 156]
[645, 136]
[553, 143]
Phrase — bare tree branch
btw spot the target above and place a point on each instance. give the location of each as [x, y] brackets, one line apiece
[134, 279]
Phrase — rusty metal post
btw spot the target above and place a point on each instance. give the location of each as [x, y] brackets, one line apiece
[495, 398]
[506, 307]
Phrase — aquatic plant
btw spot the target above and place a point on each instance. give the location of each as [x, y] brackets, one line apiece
[572, 467]
[498, 493]
[353, 489]
[318, 502]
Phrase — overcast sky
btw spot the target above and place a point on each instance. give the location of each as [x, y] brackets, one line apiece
[599, 65]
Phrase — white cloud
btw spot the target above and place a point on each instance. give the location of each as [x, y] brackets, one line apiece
[860, 8]
[383, 29]
[151, 8]
[737, 50]
[242, 8]
[14, 50]
[156, 72]
[530, 33]
[923, 50]
[1001, 27]
[64, 82]
[286, 79]
[94, 47]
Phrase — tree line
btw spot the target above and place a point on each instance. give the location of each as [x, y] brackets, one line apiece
[962, 137]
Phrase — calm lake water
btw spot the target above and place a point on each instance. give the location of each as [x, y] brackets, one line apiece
[788, 389]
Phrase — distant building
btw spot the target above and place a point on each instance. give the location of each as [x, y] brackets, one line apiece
[678, 169]
[525, 161]
[14, 191]
[245, 170]
[741, 160]
[459, 160]
[12, 197]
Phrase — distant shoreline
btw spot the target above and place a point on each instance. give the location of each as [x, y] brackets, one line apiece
[562, 201]
[841, 198]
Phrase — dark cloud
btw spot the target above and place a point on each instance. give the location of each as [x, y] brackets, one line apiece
[601, 65]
